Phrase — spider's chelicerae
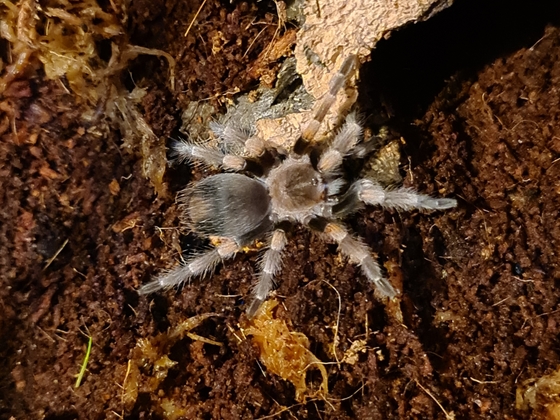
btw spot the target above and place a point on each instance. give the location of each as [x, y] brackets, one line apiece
[236, 209]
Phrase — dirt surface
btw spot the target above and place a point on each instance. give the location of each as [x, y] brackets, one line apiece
[81, 229]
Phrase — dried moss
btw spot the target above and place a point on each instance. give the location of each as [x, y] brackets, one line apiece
[284, 352]
[64, 38]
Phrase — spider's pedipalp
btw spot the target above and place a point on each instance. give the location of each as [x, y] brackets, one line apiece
[359, 254]
[270, 265]
[255, 147]
[402, 198]
[199, 265]
[343, 143]
[233, 162]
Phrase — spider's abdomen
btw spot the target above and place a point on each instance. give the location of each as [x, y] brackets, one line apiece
[228, 205]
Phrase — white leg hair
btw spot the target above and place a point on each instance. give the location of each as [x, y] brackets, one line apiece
[229, 134]
[322, 107]
[402, 198]
[211, 156]
[270, 265]
[343, 143]
[360, 254]
[336, 186]
[240, 140]
[199, 265]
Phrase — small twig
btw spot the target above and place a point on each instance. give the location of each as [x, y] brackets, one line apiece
[49, 262]
[84, 363]
[123, 386]
[281, 12]
[194, 18]
[501, 301]
[271, 416]
[348, 397]
[61, 332]
[234, 333]
[552, 164]
[330, 404]
[536, 43]
[523, 280]
[548, 313]
[253, 41]
[517, 377]
[261, 368]
[335, 340]
[448, 416]
[46, 335]
[317, 409]
[367, 327]
[483, 382]
[196, 337]
[318, 363]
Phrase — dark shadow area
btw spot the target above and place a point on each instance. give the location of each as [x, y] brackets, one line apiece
[69, 415]
[411, 67]
[407, 72]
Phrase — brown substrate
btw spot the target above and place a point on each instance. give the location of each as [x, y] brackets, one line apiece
[480, 282]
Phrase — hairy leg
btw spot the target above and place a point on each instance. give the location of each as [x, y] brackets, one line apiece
[365, 191]
[199, 265]
[322, 107]
[238, 141]
[342, 145]
[402, 198]
[359, 254]
[208, 155]
[270, 265]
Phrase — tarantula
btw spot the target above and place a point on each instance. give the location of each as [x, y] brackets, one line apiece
[237, 209]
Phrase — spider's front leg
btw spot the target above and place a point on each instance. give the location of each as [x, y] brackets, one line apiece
[372, 193]
[359, 254]
[207, 154]
[270, 265]
[366, 191]
[237, 141]
[322, 107]
[342, 145]
[235, 145]
[199, 265]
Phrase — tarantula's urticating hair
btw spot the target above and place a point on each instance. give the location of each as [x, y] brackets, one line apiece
[237, 209]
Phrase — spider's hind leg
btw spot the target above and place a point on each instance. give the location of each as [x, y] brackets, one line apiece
[270, 265]
[357, 252]
[199, 265]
